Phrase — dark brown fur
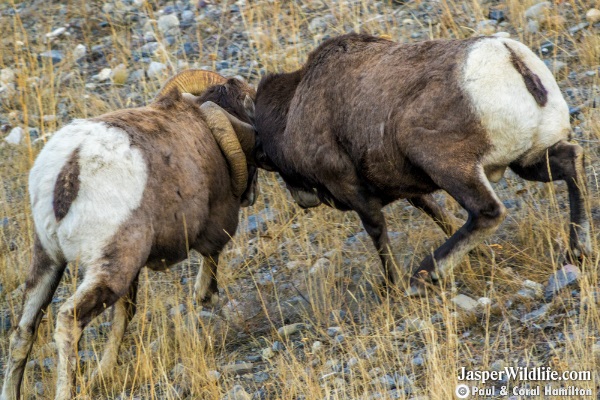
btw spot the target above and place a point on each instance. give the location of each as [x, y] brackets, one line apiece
[532, 81]
[66, 187]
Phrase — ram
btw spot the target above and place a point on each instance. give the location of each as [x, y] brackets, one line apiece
[367, 121]
[131, 188]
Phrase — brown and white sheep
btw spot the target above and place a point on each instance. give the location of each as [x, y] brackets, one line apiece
[367, 121]
[131, 188]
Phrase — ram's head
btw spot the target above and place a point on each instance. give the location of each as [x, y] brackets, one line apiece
[228, 107]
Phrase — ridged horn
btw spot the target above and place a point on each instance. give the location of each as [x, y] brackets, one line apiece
[228, 141]
[194, 81]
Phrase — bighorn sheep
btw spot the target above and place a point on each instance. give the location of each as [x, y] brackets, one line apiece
[367, 121]
[131, 188]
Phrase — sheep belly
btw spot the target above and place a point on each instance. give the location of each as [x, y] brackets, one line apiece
[516, 125]
[112, 178]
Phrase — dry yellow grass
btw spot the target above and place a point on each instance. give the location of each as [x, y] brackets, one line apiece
[528, 245]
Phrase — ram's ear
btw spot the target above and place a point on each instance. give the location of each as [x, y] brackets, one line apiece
[249, 107]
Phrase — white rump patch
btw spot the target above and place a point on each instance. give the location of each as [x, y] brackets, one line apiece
[516, 125]
[111, 184]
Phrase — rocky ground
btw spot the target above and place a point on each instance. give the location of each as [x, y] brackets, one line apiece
[299, 317]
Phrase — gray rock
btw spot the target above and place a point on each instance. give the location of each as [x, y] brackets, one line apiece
[15, 136]
[487, 27]
[288, 330]
[149, 49]
[155, 69]
[535, 287]
[538, 11]
[53, 55]
[103, 75]
[556, 66]
[56, 33]
[187, 16]
[465, 303]
[574, 29]
[267, 353]
[333, 331]
[418, 361]
[536, 315]
[213, 375]
[532, 27]
[317, 347]
[237, 368]
[278, 346]
[168, 24]
[321, 266]
[566, 277]
[237, 393]
[39, 388]
[261, 377]
[339, 339]
[7, 76]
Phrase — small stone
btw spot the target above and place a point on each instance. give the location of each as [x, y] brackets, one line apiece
[339, 339]
[502, 34]
[567, 276]
[593, 15]
[320, 266]
[107, 8]
[483, 302]
[237, 393]
[538, 11]
[498, 365]
[56, 33]
[54, 55]
[487, 27]
[278, 346]
[352, 362]
[7, 76]
[267, 353]
[418, 361]
[79, 52]
[288, 330]
[237, 368]
[15, 136]
[187, 16]
[168, 24]
[537, 314]
[213, 376]
[574, 29]
[333, 331]
[497, 15]
[536, 287]
[103, 75]
[415, 325]
[39, 388]
[260, 377]
[317, 346]
[156, 69]
[292, 265]
[555, 66]
[532, 27]
[465, 303]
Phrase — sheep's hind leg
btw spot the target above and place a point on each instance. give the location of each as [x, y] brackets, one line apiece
[427, 204]
[42, 281]
[105, 282]
[474, 193]
[564, 161]
[123, 312]
[206, 288]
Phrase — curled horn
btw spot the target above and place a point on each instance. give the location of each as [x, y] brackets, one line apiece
[194, 81]
[226, 129]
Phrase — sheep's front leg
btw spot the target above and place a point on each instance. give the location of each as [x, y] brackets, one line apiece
[474, 193]
[564, 161]
[206, 289]
[43, 279]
